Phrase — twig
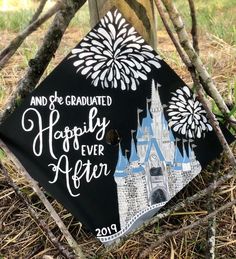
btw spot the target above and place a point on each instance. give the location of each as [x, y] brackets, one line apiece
[34, 215]
[197, 83]
[10, 50]
[199, 222]
[201, 96]
[38, 11]
[177, 45]
[44, 55]
[206, 79]
[194, 30]
[71, 241]
[211, 228]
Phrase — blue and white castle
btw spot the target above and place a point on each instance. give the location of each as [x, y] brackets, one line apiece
[156, 169]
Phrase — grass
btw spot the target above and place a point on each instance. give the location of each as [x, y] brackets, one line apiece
[214, 16]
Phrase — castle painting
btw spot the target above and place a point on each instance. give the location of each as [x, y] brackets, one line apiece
[156, 169]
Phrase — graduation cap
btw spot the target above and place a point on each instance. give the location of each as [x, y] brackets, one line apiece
[112, 94]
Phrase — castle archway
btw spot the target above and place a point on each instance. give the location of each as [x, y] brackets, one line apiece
[158, 196]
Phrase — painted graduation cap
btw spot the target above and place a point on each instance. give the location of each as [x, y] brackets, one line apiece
[60, 133]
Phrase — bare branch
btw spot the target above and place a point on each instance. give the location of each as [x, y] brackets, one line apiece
[182, 230]
[38, 11]
[206, 79]
[71, 241]
[34, 215]
[177, 45]
[194, 30]
[10, 50]
[44, 55]
[211, 228]
[197, 83]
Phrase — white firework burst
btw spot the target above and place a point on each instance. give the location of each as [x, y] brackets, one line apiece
[187, 116]
[114, 55]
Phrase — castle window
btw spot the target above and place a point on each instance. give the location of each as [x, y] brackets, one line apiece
[156, 171]
[153, 157]
[158, 196]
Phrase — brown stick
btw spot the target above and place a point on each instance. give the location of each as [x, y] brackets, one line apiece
[197, 83]
[38, 11]
[44, 55]
[10, 50]
[34, 185]
[199, 222]
[194, 30]
[206, 79]
[177, 45]
[34, 215]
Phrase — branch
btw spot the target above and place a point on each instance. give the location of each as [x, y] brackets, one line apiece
[177, 45]
[44, 55]
[38, 11]
[206, 79]
[194, 30]
[211, 228]
[34, 185]
[182, 230]
[35, 216]
[198, 85]
[10, 50]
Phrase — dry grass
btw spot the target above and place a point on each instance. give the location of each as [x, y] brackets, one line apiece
[20, 237]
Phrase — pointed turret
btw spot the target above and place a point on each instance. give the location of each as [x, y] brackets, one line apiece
[186, 161]
[164, 122]
[156, 102]
[147, 124]
[121, 165]
[133, 156]
[178, 159]
[139, 127]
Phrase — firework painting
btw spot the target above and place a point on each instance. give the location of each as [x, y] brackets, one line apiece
[115, 55]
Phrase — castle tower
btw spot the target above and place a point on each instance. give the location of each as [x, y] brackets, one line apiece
[156, 111]
[121, 178]
[176, 174]
[139, 195]
[168, 142]
[157, 178]
[186, 160]
[144, 134]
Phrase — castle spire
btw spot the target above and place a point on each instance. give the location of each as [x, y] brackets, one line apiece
[139, 127]
[133, 156]
[185, 156]
[147, 121]
[121, 164]
[156, 102]
[178, 159]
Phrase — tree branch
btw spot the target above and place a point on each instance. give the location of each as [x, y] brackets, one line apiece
[44, 55]
[38, 11]
[199, 222]
[211, 228]
[206, 79]
[34, 185]
[177, 45]
[194, 30]
[10, 50]
[34, 215]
